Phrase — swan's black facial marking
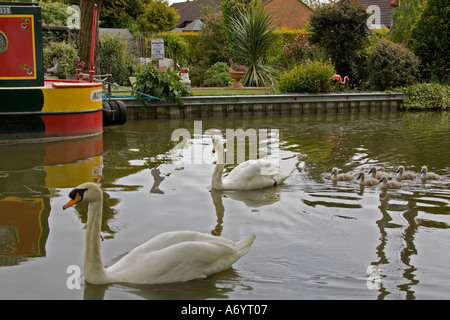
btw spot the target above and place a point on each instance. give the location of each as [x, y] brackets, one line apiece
[74, 192]
[76, 195]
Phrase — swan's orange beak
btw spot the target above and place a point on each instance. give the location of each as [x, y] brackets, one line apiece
[71, 202]
[214, 148]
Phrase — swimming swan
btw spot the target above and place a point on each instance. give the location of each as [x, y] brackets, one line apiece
[168, 257]
[366, 181]
[379, 175]
[249, 175]
[425, 175]
[405, 175]
[336, 176]
[385, 184]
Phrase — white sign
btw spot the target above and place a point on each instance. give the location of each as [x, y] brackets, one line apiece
[96, 95]
[157, 49]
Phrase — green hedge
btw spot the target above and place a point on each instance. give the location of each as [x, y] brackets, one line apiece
[311, 77]
[426, 96]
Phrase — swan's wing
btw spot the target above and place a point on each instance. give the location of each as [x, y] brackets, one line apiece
[181, 261]
[252, 168]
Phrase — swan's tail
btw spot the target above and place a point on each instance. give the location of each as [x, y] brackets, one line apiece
[244, 245]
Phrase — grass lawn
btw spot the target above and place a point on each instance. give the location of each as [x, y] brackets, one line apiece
[212, 91]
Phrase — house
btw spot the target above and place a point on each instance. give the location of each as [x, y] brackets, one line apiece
[289, 13]
[195, 25]
[192, 10]
[286, 13]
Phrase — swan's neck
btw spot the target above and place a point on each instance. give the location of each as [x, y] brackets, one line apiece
[217, 182]
[93, 266]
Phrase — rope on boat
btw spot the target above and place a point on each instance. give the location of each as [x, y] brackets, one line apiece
[143, 96]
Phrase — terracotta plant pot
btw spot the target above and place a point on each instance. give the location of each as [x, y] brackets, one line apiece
[237, 76]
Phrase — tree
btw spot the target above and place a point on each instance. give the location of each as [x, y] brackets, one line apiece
[252, 38]
[86, 19]
[231, 9]
[429, 40]
[405, 16]
[213, 45]
[158, 16]
[340, 29]
[119, 13]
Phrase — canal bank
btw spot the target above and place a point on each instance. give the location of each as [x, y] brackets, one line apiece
[266, 104]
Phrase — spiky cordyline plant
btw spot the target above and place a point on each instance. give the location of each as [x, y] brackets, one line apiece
[252, 38]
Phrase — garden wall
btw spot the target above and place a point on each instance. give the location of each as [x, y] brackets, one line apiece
[244, 105]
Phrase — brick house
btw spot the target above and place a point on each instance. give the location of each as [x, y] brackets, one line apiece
[289, 13]
[286, 13]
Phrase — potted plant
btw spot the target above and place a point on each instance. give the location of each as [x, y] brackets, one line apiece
[237, 73]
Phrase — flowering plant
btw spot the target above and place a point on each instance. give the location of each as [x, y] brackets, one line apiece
[237, 67]
[79, 64]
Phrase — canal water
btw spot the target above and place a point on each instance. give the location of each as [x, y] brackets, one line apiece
[315, 239]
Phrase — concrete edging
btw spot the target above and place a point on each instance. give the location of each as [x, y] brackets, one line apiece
[266, 104]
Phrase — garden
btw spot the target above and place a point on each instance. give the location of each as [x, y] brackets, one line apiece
[335, 52]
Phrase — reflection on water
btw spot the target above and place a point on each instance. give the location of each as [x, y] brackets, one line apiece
[314, 238]
[29, 173]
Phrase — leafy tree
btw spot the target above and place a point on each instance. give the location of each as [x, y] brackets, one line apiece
[341, 30]
[213, 45]
[405, 16]
[158, 16]
[252, 39]
[120, 13]
[54, 13]
[429, 40]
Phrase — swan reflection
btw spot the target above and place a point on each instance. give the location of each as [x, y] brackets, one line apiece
[251, 198]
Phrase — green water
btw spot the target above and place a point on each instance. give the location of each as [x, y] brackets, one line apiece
[315, 239]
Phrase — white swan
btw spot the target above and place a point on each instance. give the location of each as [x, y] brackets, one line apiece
[251, 174]
[168, 257]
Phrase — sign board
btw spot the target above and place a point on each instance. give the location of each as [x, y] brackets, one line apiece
[21, 54]
[157, 48]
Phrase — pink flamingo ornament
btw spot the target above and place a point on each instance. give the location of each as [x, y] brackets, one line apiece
[337, 77]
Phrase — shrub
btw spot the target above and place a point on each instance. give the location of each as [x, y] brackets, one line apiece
[390, 65]
[429, 40]
[54, 14]
[251, 42]
[217, 75]
[67, 57]
[113, 53]
[426, 96]
[162, 85]
[311, 77]
[175, 47]
[341, 30]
